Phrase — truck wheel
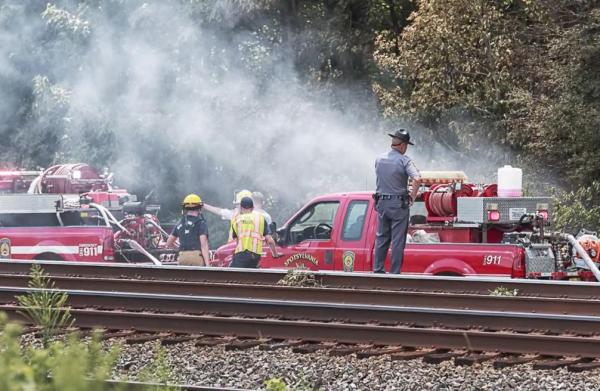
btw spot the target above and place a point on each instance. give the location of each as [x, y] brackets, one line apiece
[48, 257]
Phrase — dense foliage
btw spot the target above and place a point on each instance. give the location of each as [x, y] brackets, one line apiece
[65, 366]
[519, 75]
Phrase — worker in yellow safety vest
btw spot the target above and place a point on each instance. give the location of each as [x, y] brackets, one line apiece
[229, 214]
[250, 230]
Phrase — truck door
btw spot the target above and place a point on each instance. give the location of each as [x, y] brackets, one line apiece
[310, 241]
[351, 252]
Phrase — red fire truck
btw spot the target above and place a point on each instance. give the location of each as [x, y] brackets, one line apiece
[69, 212]
[457, 229]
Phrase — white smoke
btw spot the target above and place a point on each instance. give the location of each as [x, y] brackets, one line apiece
[195, 108]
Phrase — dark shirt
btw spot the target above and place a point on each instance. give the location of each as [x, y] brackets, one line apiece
[189, 230]
[393, 170]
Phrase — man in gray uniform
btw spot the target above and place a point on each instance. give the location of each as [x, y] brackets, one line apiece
[392, 201]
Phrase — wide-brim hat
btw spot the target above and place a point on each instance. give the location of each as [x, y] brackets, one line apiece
[403, 135]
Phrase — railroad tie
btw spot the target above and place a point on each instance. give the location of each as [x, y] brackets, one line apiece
[179, 338]
[584, 366]
[117, 334]
[475, 358]
[411, 354]
[379, 351]
[213, 341]
[312, 347]
[436, 358]
[346, 350]
[514, 360]
[143, 338]
[243, 344]
[559, 362]
[280, 345]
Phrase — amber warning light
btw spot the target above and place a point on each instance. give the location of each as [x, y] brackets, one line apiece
[542, 211]
[492, 212]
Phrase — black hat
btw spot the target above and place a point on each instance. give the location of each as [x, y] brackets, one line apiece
[403, 135]
[247, 203]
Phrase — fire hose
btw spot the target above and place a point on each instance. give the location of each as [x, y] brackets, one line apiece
[583, 254]
[442, 199]
[135, 245]
[132, 243]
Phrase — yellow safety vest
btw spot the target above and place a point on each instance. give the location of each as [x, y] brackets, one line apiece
[249, 228]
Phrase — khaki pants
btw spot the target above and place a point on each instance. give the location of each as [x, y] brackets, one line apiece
[191, 258]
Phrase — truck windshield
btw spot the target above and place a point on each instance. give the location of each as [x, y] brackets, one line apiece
[315, 223]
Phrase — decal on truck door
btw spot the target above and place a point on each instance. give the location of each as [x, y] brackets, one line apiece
[89, 250]
[4, 248]
[297, 260]
[492, 260]
[348, 261]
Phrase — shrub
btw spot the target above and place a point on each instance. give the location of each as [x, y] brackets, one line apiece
[45, 306]
[62, 366]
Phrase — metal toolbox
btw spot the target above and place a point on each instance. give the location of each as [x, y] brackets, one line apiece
[539, 258]
[475, 209]
[30, 203]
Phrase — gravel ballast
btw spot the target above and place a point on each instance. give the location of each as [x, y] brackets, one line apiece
[213, 366]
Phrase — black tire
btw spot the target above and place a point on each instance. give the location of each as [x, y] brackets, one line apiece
[449, 274]
[48, 257]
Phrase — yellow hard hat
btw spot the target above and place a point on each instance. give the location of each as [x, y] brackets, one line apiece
[241, 194]
[191, 200]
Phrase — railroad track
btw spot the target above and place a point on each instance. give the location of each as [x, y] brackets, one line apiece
[325, 311]
[406, 316]
[342, 338]
[472, 301]
[367, 281]
[506, 332]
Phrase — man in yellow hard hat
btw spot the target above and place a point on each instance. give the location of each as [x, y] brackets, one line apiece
[259, 205]
[192, 232]
[228, 214]
[250, 230]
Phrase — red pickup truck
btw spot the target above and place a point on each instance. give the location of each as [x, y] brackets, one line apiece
[32, 227]
[491, 236]
[72, 227]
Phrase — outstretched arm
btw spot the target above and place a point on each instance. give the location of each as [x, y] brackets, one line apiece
[226, 214]
[212, 209]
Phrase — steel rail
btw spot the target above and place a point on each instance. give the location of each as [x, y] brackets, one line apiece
[555, 345]
[569, 289]
[322, 311]
[335, 295]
